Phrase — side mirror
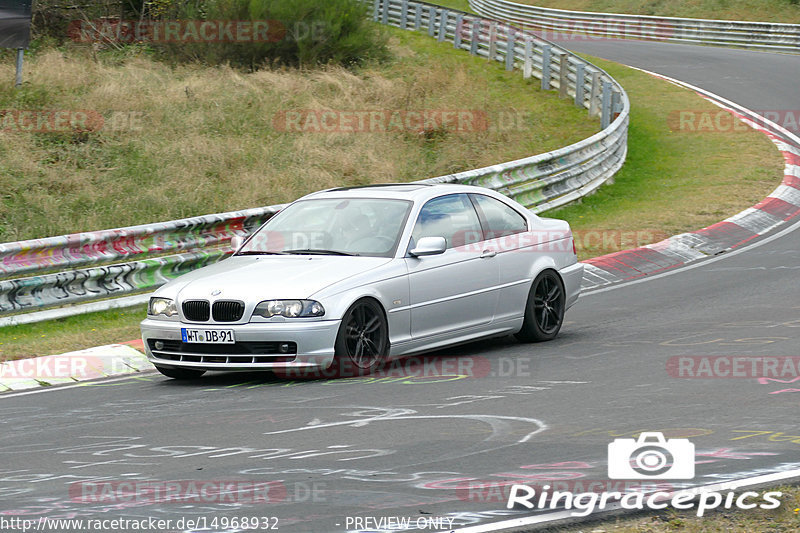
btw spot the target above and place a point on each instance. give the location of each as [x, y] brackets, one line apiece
[429, 246]
[236, 242]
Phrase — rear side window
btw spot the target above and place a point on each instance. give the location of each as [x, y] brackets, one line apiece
[452, 217]
[501, 220]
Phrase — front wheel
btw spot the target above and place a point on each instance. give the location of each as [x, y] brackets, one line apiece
[544, 312]
[180, 373]
[362, 342]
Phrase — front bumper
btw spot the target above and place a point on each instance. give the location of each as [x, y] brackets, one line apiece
[314, 341]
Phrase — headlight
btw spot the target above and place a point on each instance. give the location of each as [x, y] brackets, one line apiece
[289, 308]
[161, 306]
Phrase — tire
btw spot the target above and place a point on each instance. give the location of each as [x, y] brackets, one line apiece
[362, 342]
[180, 373]
[544, 311]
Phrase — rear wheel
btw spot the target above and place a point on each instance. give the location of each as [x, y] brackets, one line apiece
[544, 312]
[180, 373]
[362, 343]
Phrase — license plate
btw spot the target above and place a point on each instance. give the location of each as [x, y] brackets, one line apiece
[207, 336]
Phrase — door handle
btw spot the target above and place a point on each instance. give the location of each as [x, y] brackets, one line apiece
[488, 253]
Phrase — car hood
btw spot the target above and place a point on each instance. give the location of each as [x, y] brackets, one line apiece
[268, 277]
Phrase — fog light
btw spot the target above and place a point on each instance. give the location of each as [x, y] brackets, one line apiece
[159, 345]
[283, 348]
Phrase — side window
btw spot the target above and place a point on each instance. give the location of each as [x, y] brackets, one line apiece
[452, 217]
[501, 219]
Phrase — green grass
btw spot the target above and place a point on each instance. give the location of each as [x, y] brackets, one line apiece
[71, 333]
[205, 141]
[461, 5]
[759, 10]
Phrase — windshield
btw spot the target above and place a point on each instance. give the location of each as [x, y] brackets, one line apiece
[335, 226]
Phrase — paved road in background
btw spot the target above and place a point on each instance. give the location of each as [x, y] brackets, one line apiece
[437, 442]
[757, 80]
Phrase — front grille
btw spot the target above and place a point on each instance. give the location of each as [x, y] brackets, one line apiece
[196, 310]
[240, 352]
[227, 310]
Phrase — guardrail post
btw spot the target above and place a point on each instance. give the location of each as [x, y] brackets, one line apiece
[403, 14]
[527, 66]
[432, 21]
[616, 105]
[605, 118]
[546, 67]
[18, 73]
[511, 42]
[492, 41]
[443, 25]
[376, 9]
[579, 84]
[563, 75]
[418, 17]
[459, 29]
[475, 37]
[594, 94]
[385, 16]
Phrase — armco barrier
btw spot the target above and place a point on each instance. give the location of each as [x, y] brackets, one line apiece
[759, 35]
[84, 267]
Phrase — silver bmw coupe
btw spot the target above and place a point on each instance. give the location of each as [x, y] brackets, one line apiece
[342, 280]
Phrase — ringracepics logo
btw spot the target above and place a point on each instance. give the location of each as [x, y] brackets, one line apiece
[651, 456]
[586, 503]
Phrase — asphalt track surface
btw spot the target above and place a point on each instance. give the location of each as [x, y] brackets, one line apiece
[419, 446]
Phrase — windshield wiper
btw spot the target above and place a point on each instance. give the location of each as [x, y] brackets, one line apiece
[316, 251]
[260, 252]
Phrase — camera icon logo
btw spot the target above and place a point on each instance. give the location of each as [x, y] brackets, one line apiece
[651, 457]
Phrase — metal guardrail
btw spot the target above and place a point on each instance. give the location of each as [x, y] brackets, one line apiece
[732, 33]
[75, 269]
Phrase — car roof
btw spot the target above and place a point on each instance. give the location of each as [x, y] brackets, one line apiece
[417, 192]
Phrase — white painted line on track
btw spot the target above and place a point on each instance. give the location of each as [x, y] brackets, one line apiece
[725, 101]
[57, 388]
